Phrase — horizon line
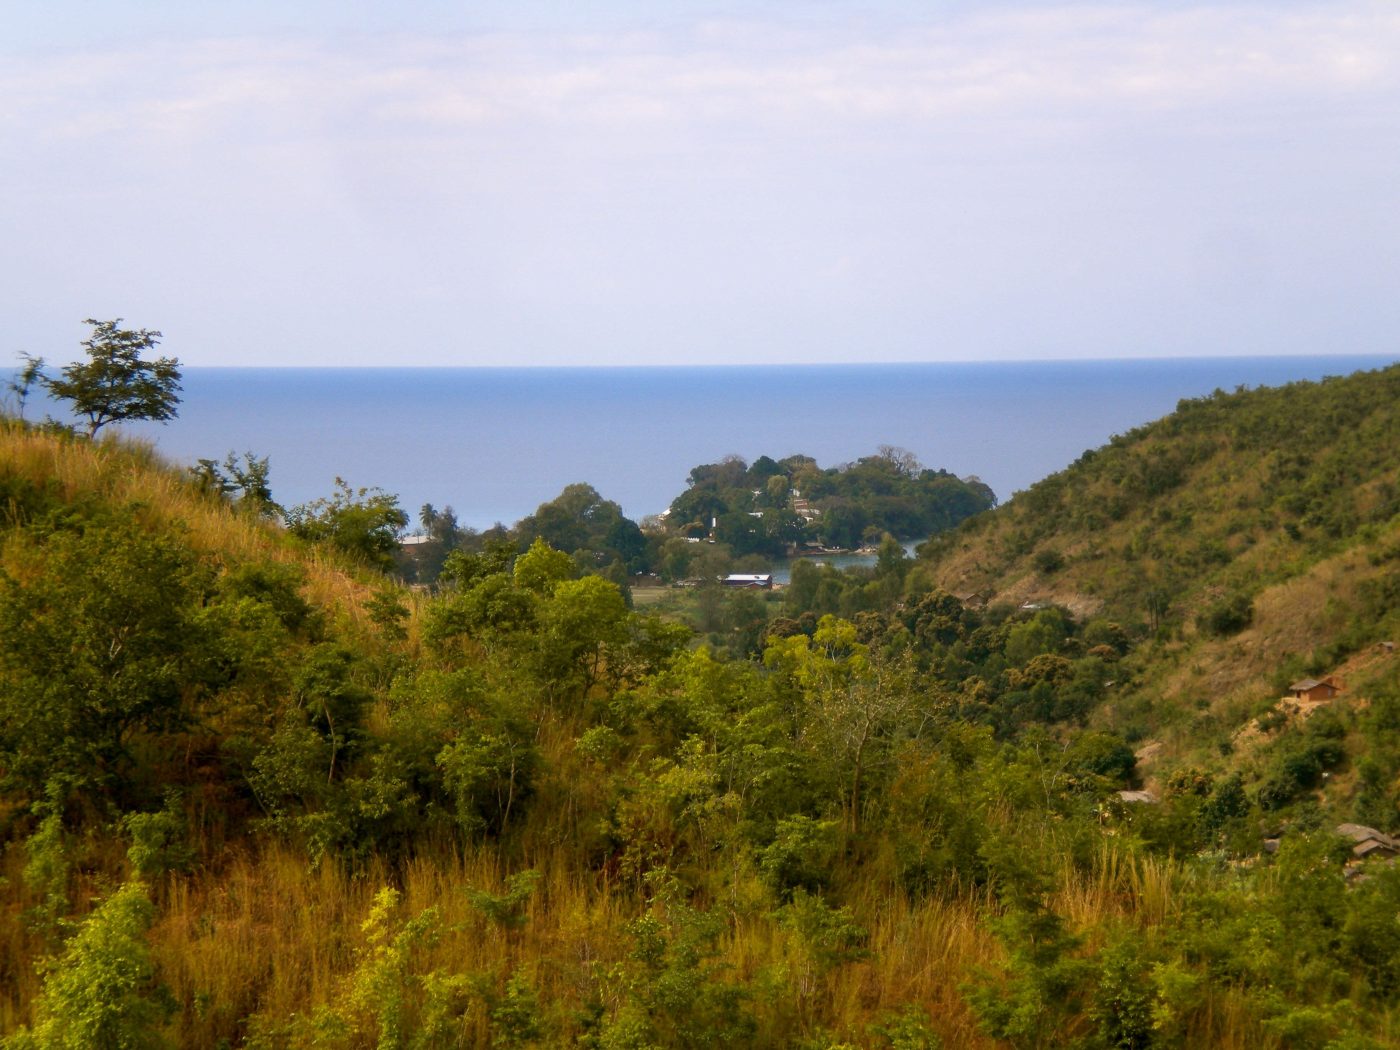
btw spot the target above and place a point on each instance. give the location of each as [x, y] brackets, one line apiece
[1391, 356]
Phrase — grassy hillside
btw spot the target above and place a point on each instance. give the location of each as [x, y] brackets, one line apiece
[43, 473]
[1252, 536]
[303, 834]
[253, 794]
[1228, 495]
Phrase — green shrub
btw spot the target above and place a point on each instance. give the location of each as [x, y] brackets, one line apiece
[800, 856]
[160, 840]
[830, 937]
[507, 910]
[908, 1029]
[100, 993]
[1228, 616]
[1122, 1000]
[46, 875]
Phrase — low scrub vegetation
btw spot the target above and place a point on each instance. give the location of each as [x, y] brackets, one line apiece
[255, 793]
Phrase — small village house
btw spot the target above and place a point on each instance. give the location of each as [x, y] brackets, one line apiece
[1369, 841]
[1316, 690]
[759, 581]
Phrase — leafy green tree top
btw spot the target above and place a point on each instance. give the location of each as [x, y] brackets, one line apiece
[541, 567]
[115, 384]
[247, 482]
[364, 523]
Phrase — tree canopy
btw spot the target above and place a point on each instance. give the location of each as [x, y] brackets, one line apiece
[754, 509]
[115, 384]
[364, 522]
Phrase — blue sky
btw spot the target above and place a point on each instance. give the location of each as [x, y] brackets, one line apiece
[618, 183]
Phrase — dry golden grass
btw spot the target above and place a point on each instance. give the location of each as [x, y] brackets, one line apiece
[922, 953]
[269, 935]
[272, 936]
[266, 934]
[130, 474]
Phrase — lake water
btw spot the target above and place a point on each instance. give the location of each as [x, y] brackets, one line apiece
[782, 567]
[494, 443]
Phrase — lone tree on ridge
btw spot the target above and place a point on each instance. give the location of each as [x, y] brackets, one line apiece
[115, 385]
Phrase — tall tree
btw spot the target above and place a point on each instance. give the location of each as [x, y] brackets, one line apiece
[114, 384]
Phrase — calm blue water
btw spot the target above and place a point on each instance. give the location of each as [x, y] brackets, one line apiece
[495, 443]
[782, 567]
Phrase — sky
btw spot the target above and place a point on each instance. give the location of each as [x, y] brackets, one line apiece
[532, 183]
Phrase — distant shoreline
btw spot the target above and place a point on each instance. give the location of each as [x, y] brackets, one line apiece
[495, 443]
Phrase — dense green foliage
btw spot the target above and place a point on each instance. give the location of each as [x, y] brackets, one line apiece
[755, 509]
[747, 515]
[363, 523]
[251, 798]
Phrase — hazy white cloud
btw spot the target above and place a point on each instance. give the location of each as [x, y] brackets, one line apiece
[1132, 60]
[722, 189]
[983, 63]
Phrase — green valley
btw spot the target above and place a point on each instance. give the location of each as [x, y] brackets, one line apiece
[1071, 777]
